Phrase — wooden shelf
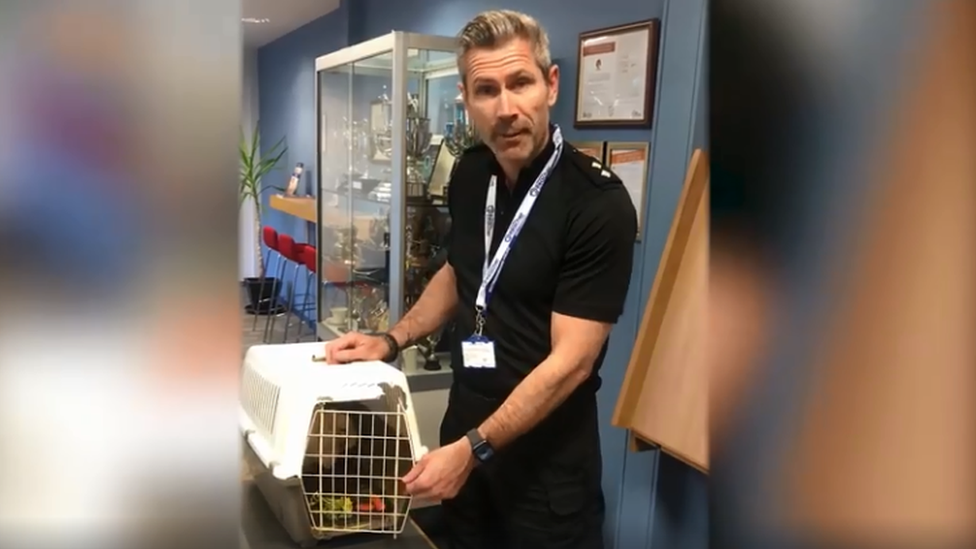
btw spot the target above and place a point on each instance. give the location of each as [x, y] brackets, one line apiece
[663, 399]
[639, 442]
[299, 206]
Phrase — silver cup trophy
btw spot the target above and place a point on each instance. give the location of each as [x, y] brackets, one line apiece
[356, 137]
[381, 128]
[460, 134]
[418, 137]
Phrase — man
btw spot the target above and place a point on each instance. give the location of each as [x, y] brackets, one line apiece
[519, 464]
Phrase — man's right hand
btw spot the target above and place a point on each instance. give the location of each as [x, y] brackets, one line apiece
[355, 346]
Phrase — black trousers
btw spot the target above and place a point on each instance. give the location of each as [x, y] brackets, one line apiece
[542, 492]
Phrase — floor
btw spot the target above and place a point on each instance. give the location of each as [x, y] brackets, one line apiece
[428, 519]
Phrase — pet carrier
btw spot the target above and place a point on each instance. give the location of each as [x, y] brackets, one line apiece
[328, 444]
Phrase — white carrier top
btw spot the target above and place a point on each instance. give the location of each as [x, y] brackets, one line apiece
[281, 386]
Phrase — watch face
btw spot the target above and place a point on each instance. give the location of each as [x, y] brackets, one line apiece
[484, 452]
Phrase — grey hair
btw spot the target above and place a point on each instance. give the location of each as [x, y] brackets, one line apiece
[495, 28]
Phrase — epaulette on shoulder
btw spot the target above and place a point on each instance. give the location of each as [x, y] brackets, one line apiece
[476, 149]
[592, 169]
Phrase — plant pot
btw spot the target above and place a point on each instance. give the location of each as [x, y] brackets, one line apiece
[262, 294]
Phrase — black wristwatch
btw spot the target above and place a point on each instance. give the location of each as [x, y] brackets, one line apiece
[394, 347]
[482, 449]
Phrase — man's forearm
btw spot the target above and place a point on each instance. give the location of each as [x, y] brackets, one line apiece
[541, 392]
[431, 311]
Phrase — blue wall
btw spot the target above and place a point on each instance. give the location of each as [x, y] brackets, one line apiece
[286, 78]
[653, 501]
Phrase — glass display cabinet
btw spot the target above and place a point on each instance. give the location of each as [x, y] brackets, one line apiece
[390, 126]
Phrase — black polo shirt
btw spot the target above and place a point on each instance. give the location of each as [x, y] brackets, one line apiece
[573, 256]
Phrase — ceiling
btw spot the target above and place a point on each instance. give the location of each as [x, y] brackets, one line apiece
[283, 16]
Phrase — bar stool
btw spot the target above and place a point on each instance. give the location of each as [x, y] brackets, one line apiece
[300, 250]
[291, 251]
[270, 238]
[310, 260]
[286, 246]
[282, 242]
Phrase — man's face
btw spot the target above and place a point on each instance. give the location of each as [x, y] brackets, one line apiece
[508, 99]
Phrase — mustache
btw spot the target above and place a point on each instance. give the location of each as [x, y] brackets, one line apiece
[502, 131]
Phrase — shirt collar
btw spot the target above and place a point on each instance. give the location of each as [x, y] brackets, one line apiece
[529, 173]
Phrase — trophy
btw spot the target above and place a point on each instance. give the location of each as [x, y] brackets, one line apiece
[381, 127]
[346, 248]
[356, 137]
[368, 309]
[460, 134]
[418, 138]
[431, 362]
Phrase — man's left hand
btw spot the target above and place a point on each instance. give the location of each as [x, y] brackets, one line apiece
[440, 474]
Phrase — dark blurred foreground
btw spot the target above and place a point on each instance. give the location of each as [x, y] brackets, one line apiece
[119, 337]
[843, 269]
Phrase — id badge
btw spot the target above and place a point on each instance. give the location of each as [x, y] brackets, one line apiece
[478, 352]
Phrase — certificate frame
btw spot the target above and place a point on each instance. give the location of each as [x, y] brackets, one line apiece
[644, 148]
[586, 147]
[592, 43]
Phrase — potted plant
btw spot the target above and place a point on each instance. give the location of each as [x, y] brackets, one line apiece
[255, 164]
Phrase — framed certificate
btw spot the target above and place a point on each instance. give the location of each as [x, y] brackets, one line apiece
[592, 148]
[617, 75]
[630, 162]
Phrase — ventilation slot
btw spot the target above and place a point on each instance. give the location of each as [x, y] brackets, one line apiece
[260, 401]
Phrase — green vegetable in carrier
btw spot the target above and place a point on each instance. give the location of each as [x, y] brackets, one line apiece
[339, 505]
[333, 505]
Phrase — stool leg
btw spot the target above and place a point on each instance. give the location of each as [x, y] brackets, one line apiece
[316, 300]
[291, 304]
[264, 275]
[298, 336]
[298, 313]
[276, 288]
[305, 300]
[286, 304]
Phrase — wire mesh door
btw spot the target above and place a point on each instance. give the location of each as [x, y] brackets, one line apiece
[355, 457]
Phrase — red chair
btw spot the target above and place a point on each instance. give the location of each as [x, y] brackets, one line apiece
[297, 257]
[270, 238]
[310, 260]
[292, 252]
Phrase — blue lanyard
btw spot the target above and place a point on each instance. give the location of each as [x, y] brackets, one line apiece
[493, 267]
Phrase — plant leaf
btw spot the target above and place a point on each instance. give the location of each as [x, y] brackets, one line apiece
[255, 165]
